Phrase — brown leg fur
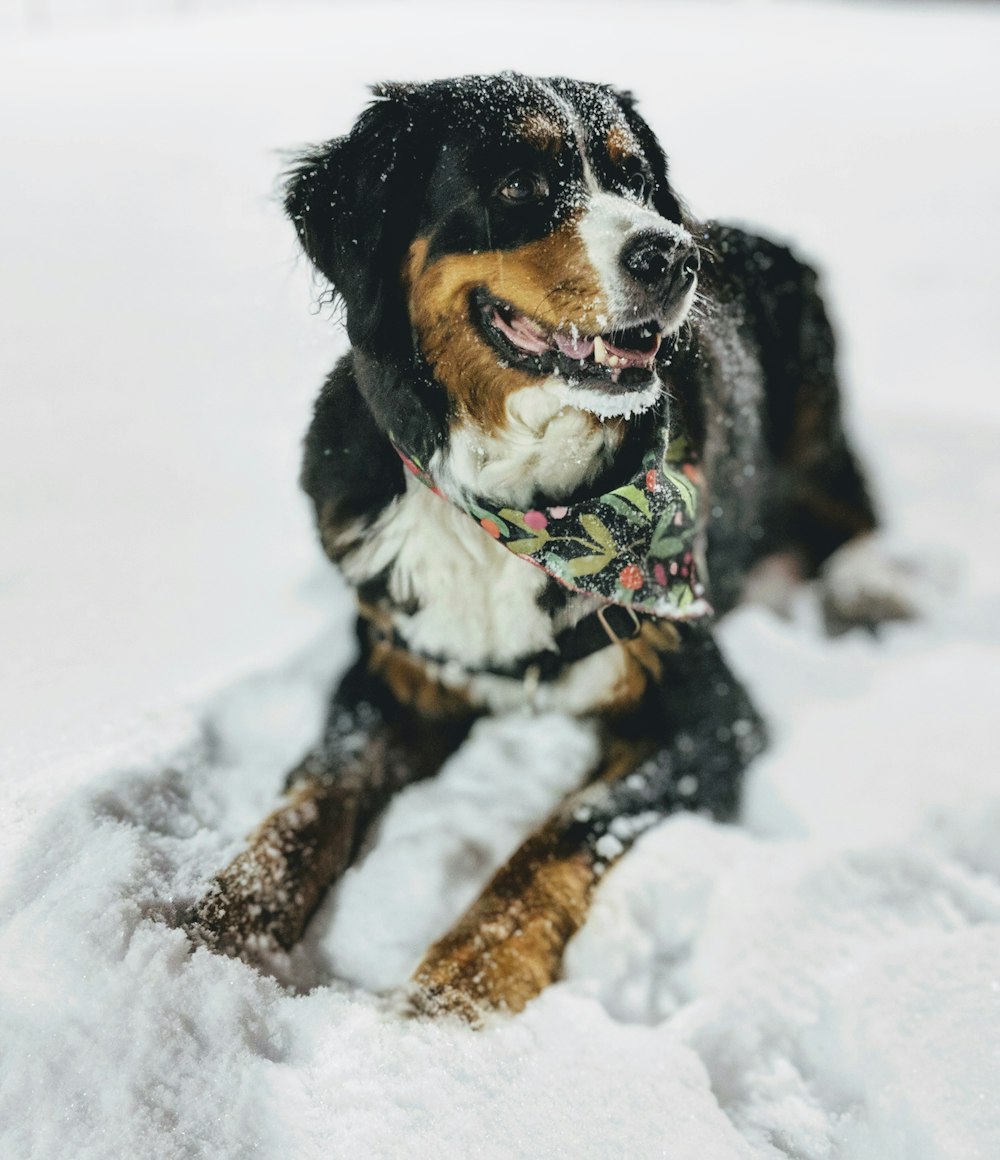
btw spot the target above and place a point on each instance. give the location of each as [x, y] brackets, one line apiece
[678, 749]
[262, 901]
[509, 945]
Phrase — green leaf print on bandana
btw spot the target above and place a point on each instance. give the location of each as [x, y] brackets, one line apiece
[633, 546]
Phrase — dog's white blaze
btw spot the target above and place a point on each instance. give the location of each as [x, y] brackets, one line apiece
[606, 224]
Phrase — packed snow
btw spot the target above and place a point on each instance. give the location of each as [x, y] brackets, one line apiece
[820, 981]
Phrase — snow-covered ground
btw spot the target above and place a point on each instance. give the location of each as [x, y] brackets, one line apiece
[820, 982]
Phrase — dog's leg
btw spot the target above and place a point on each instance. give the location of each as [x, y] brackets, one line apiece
[684, 747]
[371, 747]
[832, 516]
[829, 498]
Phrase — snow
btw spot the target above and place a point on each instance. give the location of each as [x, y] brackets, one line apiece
[820, 981]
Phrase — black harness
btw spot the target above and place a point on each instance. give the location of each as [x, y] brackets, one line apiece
[611, 624]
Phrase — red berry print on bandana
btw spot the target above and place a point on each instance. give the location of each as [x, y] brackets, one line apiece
[631, 577]
[631, 546]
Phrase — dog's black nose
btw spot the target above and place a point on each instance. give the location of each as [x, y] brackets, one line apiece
[652, 257]
[691, 262]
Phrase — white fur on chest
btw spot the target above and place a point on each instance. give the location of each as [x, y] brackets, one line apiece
[476, 603]
[546, 445]
[477, 606]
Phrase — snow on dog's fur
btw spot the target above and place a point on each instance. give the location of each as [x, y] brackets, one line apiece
[520, 282]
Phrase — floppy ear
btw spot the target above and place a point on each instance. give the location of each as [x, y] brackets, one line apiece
[665, 201]
[355, 203]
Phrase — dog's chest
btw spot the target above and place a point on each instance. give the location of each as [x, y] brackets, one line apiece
[456, 594]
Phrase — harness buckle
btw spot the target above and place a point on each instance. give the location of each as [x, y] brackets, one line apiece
[602, 616]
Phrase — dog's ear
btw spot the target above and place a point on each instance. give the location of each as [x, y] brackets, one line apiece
[355, 203]
[665, 201]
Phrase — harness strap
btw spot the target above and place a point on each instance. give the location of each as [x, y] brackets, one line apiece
[609, 625]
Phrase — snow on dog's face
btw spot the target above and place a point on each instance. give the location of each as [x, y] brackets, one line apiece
[508, 231]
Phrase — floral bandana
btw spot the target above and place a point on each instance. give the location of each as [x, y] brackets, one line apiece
[634, 546]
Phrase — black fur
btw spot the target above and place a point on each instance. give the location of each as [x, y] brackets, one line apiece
[430, 153]
[751, 378]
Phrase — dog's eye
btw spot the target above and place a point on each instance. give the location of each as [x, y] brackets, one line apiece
[639, 185]
[523, 186]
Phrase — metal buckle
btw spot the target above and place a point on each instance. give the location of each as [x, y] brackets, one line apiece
[532, 679]
[612, 635]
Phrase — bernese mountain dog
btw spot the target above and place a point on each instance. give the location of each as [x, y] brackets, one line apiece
[572, 424]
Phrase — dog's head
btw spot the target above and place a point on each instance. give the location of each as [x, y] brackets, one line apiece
[505, 231]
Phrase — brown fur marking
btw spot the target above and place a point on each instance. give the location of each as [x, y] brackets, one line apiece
[643, 663]
[550, 280]
[540, 130]
[620, 144]
[336, 537]
[808, 450]
[412, 685]
[509, 945]
[263, 899]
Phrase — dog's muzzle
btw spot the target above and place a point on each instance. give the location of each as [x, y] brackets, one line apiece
[664, 266]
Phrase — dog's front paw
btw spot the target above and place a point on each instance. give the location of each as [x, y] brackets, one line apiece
[499, 966]
[426, 998]
[509, 947]
[233, 918]
[862, 585]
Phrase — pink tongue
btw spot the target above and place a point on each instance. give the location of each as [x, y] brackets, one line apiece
[577, 348]
[633, 358]
[522, 333]
[530, 338]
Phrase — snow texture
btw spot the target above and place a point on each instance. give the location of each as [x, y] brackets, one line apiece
[821, 981]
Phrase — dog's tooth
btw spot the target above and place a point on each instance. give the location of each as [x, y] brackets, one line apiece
[600, 350]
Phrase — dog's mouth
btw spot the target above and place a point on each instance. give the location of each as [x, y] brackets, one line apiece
[618, 360]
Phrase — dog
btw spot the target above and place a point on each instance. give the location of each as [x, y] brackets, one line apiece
[573, 424]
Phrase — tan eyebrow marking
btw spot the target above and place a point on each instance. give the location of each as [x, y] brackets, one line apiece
[540, 130]
[620, 144]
